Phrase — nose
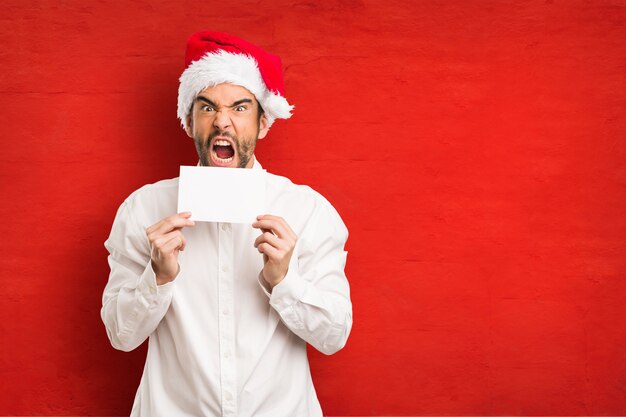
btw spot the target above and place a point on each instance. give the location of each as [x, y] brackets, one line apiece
[222, 120]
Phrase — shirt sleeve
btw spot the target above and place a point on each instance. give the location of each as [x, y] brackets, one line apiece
[313, 300]
[132, 303]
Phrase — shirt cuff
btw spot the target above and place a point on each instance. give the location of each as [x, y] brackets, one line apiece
[264, 285]
[149, 288]
[288, 291]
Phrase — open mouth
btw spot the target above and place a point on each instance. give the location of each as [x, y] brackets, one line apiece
[223, 151]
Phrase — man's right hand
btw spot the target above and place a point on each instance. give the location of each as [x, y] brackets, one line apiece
[166, 240]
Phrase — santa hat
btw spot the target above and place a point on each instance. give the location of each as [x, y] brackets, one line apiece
[213, 58]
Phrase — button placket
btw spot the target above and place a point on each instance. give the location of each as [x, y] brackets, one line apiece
[228, 365]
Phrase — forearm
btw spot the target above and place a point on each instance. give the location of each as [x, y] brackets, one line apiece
[133, 306]
[313, 296]
[321, 318]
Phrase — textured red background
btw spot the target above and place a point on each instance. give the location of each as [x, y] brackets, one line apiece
[475, 149]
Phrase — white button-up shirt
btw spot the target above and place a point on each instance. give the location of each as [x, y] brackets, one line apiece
[220, 344]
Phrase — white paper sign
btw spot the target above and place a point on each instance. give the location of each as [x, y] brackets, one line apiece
[229, 195]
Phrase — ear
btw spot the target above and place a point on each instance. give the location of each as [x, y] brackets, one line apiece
[263, 126]
[189, 126]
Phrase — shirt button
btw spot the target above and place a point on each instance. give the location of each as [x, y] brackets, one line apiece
[224, 268]
[225, 227]
[227, 354]
[225, 312]
[228, 396]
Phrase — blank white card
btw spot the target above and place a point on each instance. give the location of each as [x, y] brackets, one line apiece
[228, 195]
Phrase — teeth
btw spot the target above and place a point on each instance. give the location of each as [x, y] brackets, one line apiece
[222, 142]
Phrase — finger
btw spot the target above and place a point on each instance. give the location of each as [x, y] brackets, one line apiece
[175, 243]
[183, 241]
[282, 222]
[175, 220]
[276, 227]
[184, 214]
[269, 251]
[170, 223]
[163, 239]
[270, 238]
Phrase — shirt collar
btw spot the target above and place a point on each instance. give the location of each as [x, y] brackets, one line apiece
[256, 164]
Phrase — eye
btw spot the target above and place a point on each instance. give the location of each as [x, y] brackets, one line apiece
[240, 108]
[206, 107]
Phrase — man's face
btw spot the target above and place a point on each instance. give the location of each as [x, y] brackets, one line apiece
[224, 123]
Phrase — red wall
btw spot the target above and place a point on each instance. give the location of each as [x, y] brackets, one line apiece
[475, 149]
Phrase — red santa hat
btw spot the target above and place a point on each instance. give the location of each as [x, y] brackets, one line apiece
[213, 58]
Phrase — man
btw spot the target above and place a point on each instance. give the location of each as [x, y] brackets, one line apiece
[228, 308]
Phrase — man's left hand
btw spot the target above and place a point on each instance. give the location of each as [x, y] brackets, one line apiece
[276, 244]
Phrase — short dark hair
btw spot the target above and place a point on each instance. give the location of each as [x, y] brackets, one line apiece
[260, 110]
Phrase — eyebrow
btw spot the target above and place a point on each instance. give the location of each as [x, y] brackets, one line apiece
[236, 103]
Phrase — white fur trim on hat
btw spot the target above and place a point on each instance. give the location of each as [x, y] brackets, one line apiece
[226, 67]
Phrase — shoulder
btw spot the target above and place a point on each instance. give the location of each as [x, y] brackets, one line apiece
[309, 206]
[159, 189]
[282, 189]
[152, 202]
[138, 211]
